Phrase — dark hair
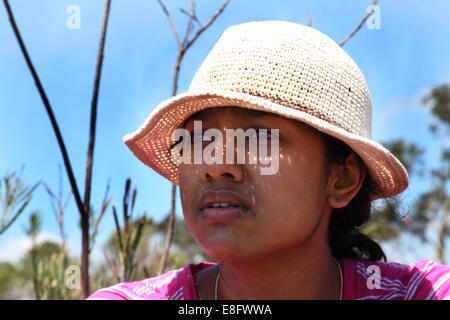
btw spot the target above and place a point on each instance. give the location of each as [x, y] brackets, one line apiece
[346, 240]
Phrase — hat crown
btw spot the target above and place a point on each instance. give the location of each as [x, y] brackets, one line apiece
[292, 65]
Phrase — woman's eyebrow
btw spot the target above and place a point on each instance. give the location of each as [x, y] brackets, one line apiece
[249, 113]
[238, 112]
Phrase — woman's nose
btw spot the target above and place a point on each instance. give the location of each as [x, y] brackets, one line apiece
[222, 172]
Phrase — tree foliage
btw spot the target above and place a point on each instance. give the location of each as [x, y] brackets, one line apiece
[432, 207]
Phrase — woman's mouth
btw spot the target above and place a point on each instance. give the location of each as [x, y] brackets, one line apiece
[222, 210]
[222, 205]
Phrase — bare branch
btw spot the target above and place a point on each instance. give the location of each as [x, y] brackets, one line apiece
[194, 17]
[59, 209]
[119, 233]
[181, 51]
[83, 208]
[105, 204]
[200, 31]
[113, 264]
[49, 110]
[309, 18]
[172, 25]
[94, 104]
[169, 234]
[360, 24]
[85, 247]
[190, 23]
[53, 200]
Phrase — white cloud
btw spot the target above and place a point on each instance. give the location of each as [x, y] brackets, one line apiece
[13, 249]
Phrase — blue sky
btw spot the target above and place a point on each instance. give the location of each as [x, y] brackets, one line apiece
[401, 61]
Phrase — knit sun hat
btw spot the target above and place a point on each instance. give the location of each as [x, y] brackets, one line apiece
[284, 68]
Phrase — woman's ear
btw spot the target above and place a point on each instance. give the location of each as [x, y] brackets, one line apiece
[345, 181]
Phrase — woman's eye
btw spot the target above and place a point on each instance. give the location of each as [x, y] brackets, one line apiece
[265, 133]
[198, 136]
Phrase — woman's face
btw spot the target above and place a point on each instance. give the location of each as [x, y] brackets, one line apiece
[284, 209]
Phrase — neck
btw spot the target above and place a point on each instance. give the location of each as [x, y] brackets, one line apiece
[298, 273]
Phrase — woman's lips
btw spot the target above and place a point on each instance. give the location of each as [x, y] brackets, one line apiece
[223, 213]
[238, 205]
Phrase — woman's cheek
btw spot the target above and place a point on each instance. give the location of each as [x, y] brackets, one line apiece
[187, 179]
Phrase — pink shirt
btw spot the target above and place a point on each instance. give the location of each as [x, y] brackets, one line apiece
[363, 280]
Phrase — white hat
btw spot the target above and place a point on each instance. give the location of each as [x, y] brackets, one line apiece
[284, 68]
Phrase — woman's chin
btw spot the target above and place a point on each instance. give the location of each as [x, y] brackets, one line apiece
[223, 252]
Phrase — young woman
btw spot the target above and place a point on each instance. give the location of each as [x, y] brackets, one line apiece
[290, 232]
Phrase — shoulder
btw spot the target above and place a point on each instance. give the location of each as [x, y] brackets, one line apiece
[422, 280]
[173, 285]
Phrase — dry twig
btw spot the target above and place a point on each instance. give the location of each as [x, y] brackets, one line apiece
[360, 24]
[83, 207]
[90, 154]
[59, 207]
[182, 48]
[48, 108]
[105, 204]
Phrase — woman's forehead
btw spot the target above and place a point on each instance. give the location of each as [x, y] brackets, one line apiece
[237, 112]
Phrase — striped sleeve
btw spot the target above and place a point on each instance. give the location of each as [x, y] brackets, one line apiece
[168, 286]
[376, 280]
[121, 291]
[432, 282]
